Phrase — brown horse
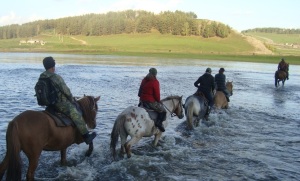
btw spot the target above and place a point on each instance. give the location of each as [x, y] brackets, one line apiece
[35, 131]
[220, 99]
[281, 75]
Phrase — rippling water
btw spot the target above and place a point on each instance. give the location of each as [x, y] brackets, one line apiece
[257, 138]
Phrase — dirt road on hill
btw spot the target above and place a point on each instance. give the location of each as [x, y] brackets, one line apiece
[260, 48]
[81, 41]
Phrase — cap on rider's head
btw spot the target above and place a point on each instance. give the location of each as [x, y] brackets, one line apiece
[222, 70]
[153, 71]
[208, 70]
[282, 59]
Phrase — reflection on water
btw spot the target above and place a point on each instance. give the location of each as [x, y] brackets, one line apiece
[256, 139]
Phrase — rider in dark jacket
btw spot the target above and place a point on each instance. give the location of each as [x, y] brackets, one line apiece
[207, 85]
[282, 65]
[220, 80]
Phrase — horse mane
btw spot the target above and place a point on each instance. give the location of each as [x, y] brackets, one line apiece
[87, 103]
[170, 97]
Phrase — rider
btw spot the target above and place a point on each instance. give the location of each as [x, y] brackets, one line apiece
[283, 66]
[65, 99]
[220, 79]
[149, 93]
[207, 85]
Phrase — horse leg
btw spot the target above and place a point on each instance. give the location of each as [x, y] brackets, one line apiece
[33, 163]
[156, 139]
[90, 150]
[197, 121]
[123, 141]
[63, 157]
[128, 145]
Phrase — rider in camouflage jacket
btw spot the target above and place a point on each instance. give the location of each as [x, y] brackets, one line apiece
[65, 99]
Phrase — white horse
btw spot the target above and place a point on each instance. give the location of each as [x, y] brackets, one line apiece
[195, 109]
[135, 121]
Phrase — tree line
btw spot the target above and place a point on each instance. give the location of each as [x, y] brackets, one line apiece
[273, 30]
[129, 21]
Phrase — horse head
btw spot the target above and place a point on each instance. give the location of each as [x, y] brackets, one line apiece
[177, 106]
[89, 107]
[229, 87]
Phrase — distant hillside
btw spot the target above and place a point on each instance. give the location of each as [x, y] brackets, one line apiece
[176, 23]
[279, 41]
[134, 43]
[273, 30]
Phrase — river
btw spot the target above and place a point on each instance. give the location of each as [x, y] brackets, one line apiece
[257, 138]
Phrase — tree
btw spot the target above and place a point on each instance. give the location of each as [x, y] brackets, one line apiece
[186, 29]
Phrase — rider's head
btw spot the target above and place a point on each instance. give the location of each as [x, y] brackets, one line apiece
[282, 59]
[153, 71]
[221, 70]
[48, 62]
[208, 70]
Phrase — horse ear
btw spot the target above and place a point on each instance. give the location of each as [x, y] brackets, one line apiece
[97, 98]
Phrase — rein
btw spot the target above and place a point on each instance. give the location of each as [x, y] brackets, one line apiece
[171, 112]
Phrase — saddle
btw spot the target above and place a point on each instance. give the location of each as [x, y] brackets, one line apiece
[60, 119]
[152, 113]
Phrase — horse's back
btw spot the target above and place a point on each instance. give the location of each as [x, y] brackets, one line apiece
[195, 103]
[31, 118]
[39, 129]
[135, 120]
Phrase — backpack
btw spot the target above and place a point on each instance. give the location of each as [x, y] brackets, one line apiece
[45, 92]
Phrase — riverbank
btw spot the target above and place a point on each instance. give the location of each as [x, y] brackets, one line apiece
[293, 60]
[234, 48]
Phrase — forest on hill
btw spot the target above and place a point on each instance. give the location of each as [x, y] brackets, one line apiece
[273, 30]
[124, 22]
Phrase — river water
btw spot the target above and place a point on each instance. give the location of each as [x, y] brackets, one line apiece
[257, 138]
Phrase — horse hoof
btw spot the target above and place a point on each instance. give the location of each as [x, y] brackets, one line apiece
[88, 153]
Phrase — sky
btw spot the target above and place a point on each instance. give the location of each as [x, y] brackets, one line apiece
[238, 14]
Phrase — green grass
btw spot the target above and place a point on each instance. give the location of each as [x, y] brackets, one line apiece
[281, 44]
[234, 48]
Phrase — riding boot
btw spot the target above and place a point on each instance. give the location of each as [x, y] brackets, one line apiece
[207, 113]
[88, 138]
[227, 98]
[159, 125]
[158, 122]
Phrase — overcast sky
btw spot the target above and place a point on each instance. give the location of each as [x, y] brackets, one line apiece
[238, 14]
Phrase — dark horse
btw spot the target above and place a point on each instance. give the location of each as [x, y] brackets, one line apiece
[35, 131]
[280, 75]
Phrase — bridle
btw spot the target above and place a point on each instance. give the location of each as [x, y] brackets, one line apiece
[172, 112]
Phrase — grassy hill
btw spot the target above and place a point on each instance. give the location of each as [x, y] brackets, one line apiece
[235, 47]
[280, 44]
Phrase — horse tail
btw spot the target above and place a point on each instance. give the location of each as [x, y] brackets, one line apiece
[13, 147]
[115, 133]
[189, 112]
